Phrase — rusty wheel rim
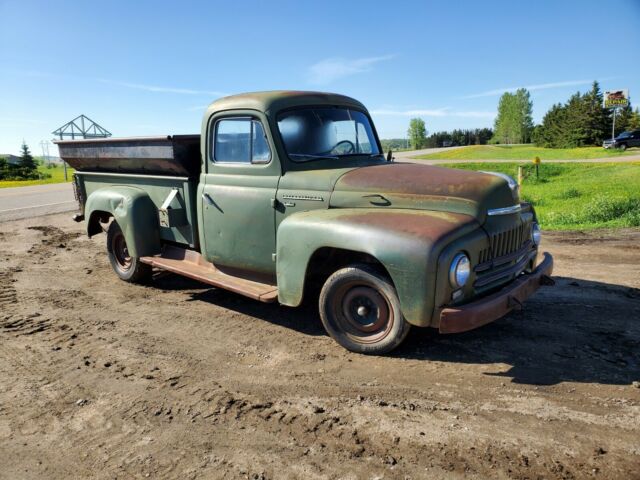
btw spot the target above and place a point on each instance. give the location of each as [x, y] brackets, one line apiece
[363, 313]
[120, 252]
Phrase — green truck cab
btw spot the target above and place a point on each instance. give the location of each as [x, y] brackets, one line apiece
[287, 193]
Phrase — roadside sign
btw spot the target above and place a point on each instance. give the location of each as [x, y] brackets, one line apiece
[616, 98]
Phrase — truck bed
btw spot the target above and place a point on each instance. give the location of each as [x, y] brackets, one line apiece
[166, 168]
[173, 197]
[165, 155]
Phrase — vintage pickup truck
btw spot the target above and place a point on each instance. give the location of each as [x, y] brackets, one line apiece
[288, 193]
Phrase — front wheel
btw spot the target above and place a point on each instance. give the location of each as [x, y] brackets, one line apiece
[360, 310]
[623, 146]
[128, 268]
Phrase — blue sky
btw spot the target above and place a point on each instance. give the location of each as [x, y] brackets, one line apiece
[146, 68]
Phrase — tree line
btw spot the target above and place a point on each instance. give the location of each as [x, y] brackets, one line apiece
[418, 137]
[581, 121]
[459, 138]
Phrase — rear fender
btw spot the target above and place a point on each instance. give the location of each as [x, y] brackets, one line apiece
[406, 242]
[135, 213]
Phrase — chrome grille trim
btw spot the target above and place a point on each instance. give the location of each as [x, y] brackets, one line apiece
[505, 210]
[506, 272]
[505, 243]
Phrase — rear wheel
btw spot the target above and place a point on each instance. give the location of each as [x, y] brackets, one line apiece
[360, 310]
[128, 268]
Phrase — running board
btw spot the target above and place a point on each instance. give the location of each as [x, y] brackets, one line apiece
[191, 264]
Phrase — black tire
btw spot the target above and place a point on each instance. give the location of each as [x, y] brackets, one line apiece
[623, 146]
[130, 269]
[360, 310]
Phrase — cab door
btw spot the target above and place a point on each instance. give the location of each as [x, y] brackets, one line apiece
[238, 193]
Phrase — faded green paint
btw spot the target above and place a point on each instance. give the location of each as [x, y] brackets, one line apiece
[406, 242]
[133, 198]
[270, 218]
[276, 100]
[135, 213]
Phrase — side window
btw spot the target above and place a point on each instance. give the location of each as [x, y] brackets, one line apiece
[364, 145]
[240, 140]
[260, 152]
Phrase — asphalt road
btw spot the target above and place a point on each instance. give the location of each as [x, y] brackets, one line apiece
[25, 202]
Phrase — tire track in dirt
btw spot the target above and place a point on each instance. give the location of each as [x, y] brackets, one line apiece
[176, 380]
[8, 293]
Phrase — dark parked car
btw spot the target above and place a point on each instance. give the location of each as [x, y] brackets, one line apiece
[624, 140]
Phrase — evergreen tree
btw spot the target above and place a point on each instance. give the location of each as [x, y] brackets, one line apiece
[417, 133]
[581, 121]
[4, 168]
[634, 120]
[623, 118]
[551, 127]
[28, 165]
[598, 117]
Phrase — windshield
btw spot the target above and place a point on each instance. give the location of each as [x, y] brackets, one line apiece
[326, 132]
[624, 135]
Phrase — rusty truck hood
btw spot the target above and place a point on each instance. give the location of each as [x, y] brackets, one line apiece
[421, 187]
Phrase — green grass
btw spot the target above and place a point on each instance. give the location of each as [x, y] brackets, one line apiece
[526, 152]
[570, 196]
[57, 176]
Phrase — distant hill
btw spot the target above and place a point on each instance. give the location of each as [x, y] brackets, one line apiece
[11, 159]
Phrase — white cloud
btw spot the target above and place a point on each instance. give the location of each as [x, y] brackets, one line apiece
[440, 112]
[531, 88]
[331, 69]
[160, 89]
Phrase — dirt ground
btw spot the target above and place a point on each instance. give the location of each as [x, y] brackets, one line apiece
[101, 379]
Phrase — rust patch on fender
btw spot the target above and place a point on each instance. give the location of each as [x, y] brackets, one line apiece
[433, 225]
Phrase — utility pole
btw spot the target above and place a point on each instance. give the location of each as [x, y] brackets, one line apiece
[45, 151]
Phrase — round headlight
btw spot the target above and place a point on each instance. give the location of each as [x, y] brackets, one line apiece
[459, 270]
[536, 235]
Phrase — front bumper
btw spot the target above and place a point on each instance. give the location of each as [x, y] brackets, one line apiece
[486, 310]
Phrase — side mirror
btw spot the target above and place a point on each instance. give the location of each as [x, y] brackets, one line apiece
[390, 156]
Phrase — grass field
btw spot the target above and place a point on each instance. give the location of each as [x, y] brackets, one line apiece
[57, 176]
[526, 152]
[571, 196]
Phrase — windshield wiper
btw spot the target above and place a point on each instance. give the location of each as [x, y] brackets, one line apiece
[308, 156]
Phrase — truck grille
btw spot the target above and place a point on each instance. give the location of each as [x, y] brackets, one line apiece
[508, 254]
[506, 242]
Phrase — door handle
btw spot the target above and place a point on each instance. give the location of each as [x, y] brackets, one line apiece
[207, 198]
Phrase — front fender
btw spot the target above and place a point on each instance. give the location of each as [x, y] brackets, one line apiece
[135, 213]
[406, 242]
